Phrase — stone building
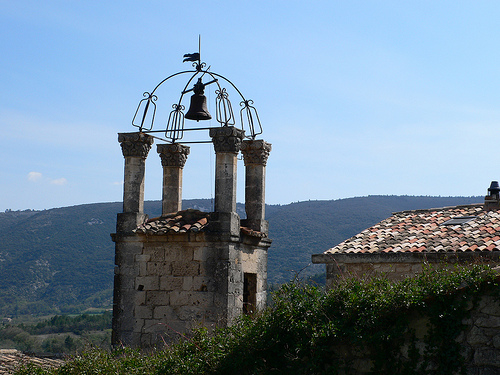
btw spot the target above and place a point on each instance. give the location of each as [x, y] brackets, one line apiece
[400, 245]
[189, 268]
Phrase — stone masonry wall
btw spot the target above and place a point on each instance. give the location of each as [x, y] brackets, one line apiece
[393, 271]
[170, 284]
[398, 267]
[254, 261]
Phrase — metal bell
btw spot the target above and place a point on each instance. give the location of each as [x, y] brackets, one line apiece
[198, 107]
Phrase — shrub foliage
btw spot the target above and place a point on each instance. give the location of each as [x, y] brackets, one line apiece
[309, 331]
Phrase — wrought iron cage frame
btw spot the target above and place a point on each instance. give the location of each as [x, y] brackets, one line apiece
[174, 130]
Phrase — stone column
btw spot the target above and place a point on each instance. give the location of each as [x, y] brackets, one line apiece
[255, 154]
[173, 158]
[227, 143]
[135, 148]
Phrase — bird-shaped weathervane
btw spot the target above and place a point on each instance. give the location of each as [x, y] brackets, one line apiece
[191, 57]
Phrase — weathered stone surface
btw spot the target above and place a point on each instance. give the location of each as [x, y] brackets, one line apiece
[255, 151]
[489, 321]
[179, 298]
[164, 313]
[159, 268]
[169, 283]
[142, 257]
[147, 283]
[156, 253]
[490, 306]
[135, 144]
[157, 298]
[227, 139]
[173, 155]
[143, 312]
[487, 357]
[180, 268]
[476, 336]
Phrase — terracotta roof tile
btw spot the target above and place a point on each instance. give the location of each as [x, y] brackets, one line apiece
[12, 359]
[179, 222]
[423, 231]
[189, 220]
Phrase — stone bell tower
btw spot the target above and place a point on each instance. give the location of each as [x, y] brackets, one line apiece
[188, 268]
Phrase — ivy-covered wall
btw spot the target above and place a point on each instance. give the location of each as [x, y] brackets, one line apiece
[459, 335]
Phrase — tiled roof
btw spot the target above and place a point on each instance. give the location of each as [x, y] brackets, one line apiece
[189, 220]
[180, 222]
[423, 231]
[11, 359]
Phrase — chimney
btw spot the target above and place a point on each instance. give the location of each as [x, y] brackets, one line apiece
[135, 149]
[492, 200]
[173, 158]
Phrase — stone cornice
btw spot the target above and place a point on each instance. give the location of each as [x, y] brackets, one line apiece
[255, 151]
[227, 139]
[173, 155]
[135, 144]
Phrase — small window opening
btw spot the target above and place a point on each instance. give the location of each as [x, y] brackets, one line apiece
[459, 220]
[249, 293]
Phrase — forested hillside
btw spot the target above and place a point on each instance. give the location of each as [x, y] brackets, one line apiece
[61, 260]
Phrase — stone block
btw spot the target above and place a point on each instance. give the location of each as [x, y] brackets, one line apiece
[187, 283]
[157, 298]
[489, 305]
[156, 253]
[139, 298]
[201, 299]
[496, 341]
[153, 325]
[178, 252]
[476, 336]
[143, 269]
[147, 283]
[485, 356]
[201, 284]
[143, 312]
[127, 283]
[159, 268]
[132, 325]
[202, 254]
[191, 314]
[181, 268]
[164, 313]
[128, 270]
[489, 322]
[146, 340]
[142, 258]
[169, 283]
[179, 298]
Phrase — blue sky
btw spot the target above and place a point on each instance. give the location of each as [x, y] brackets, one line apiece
[357, 97]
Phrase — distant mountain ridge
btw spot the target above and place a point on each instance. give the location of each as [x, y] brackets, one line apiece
[61, 260]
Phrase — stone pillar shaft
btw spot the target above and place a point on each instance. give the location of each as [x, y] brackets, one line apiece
[227, 143]
[173, 158]
[255, 154]
[133, 185]
[225, 182]
[135, 148]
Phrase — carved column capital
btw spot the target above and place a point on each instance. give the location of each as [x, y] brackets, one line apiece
[173, 154]
[227, 139]
[255, 151]
[135, 144]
